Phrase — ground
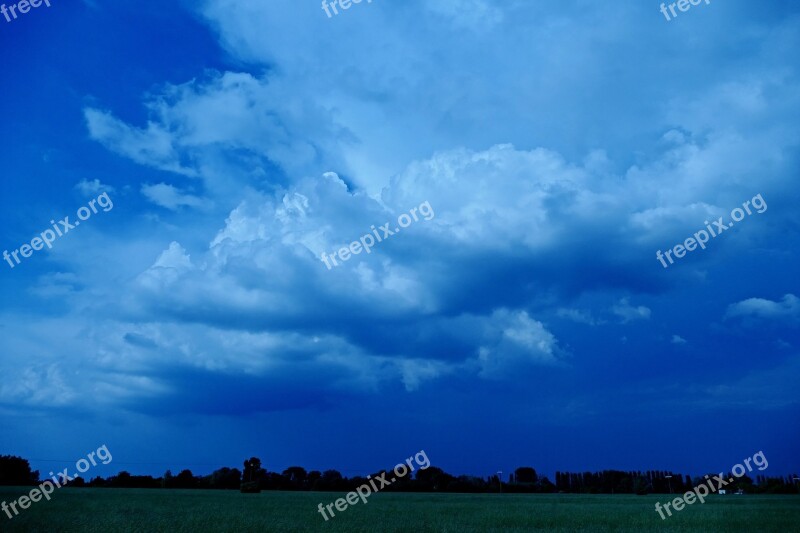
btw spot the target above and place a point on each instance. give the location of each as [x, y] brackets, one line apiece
[109, 510]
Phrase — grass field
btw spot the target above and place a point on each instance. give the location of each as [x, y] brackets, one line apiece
[108, 510]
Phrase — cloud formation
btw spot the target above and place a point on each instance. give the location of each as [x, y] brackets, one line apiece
[788, 308]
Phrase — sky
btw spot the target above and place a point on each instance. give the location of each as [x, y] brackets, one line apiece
[551, 154]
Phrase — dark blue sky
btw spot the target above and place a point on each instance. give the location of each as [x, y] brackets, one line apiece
[528, 322]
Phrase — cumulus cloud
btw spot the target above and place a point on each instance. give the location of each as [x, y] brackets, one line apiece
[391, 76]
[518, 231]
[261, 276]
[232, 130]
[788, 308]
[534, 208]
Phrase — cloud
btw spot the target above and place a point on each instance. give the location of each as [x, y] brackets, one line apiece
[629, 313]
[39, 385]
[516, 341]
[391, 77]
[152, 146]
[56, 285]
[171, 197]
[535, 207]
[414, 372]
[788, 308]
[398, 314]
[677, 339]
[92, 188]
[577, 315]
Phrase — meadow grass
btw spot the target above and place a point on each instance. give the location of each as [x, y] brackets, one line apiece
[112, 510]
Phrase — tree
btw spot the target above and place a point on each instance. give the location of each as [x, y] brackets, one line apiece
[641, 485]
[77, 482]
[433, 478]
[17, 471]
[185, 480]
[120, 481]
[313, 479]
[253, 476]
[253, 471]
[526, 474]
[226, 478]
[331, 480]
[97, 482]
[296, 476]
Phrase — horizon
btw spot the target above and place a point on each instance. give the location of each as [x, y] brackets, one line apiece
[753, 472]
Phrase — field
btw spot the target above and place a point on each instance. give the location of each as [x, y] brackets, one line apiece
[109, 510]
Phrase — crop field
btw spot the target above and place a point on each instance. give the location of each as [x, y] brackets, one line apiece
[112, 510]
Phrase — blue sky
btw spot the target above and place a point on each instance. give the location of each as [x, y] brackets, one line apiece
[529, 322]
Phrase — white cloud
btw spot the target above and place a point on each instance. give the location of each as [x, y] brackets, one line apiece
[517, 341]
[677, 339]
[629, 313]
[152, 146]
[397, 104]
[384, 118]
[93, 187]
[174, 257]
[38, 385]
[787, 308]
[171, 197]
[414, 372]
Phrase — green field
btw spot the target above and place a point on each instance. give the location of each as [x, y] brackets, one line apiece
[109, 510]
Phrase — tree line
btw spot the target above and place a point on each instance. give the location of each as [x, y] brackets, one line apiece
[16, 471]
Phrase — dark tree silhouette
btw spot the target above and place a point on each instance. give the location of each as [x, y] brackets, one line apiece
[253, 471]
[433, 479]
[253, 477]
[525, 474]
[296, 476]
[225, 478]
[17, 471]
[185, 480]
